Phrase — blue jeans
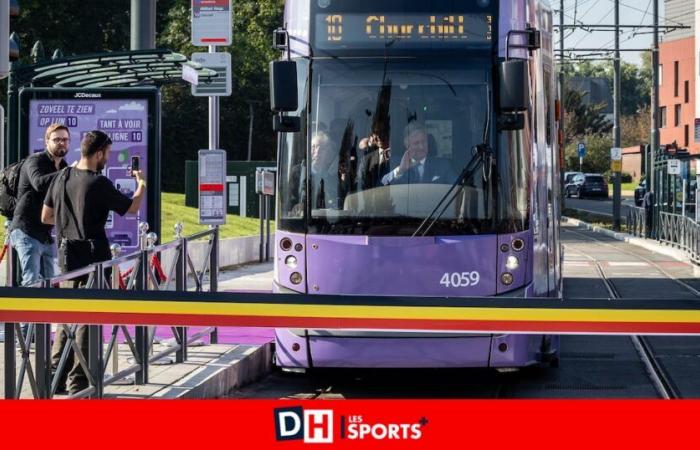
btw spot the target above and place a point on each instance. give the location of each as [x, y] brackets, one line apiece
[35, 258]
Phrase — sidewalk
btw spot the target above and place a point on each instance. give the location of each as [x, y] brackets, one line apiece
[243, 354]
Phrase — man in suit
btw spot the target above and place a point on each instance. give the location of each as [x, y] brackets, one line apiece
[327, 184]
[416, 165]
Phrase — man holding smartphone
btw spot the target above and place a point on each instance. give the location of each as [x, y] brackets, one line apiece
[78, 203]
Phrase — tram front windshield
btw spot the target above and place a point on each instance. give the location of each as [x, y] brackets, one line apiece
[386, 141]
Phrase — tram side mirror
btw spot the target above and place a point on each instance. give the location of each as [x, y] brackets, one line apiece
[283, 86]
[514, 86]
[286, 124]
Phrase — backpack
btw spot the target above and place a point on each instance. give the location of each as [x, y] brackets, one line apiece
[9, 185]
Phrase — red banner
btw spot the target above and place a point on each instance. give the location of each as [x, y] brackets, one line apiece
[292, 424]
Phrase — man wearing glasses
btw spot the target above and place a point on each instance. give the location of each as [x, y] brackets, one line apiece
[30, 237]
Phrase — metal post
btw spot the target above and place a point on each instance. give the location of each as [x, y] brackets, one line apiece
[250, 131]
[181, 286]
[42, 357]
[267, 223]
[261, 213]
[562, 87]
[10, 361]
[116, 250]
[213, 115]
[654, 140]
[214, 276]
[9, 344]
[142, 335]
[617, 189]
[143, 24]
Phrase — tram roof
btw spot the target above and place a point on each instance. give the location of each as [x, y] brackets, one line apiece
[114, 69]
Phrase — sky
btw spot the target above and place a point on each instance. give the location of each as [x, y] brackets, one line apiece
[632, 12]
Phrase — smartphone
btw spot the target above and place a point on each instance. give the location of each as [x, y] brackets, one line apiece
[134, 165]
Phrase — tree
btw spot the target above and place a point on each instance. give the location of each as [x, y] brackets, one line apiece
[597, 159]
[104, 26]
[583, 119]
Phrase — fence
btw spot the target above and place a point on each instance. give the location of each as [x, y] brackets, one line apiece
[636, 223]
[681, 232]
[140, 271]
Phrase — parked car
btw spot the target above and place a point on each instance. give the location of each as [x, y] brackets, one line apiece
[639, 193]
[587, 185]
[569, 176]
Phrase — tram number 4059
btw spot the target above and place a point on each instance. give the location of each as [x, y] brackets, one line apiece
[460, 279]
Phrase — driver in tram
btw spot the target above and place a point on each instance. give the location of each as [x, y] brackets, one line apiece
[417, 165]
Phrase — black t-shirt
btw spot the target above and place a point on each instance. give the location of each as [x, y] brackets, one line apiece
[90, 198]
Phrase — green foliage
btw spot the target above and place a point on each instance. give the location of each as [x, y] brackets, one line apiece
[80, 28]
[635, 82]
[597, 159]
[582, 119]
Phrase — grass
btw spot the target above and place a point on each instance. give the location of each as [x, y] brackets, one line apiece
[594, 219]
[625, 186]
[173, 210]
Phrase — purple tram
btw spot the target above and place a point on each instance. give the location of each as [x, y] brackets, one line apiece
[422, 159]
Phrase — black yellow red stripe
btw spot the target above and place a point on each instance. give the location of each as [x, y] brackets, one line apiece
[479, 315]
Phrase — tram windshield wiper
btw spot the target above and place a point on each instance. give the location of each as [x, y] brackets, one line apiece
[482, 159]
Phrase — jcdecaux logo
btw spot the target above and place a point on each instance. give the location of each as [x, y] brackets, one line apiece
[317, 426]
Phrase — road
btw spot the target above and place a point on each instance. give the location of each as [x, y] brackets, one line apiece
[598, 206]
[590, 366]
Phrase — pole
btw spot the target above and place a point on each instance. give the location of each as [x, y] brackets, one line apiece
[617, 189]
[143, 24]
[250, 132]
[213, 115]
[654, 139]
[562, 88]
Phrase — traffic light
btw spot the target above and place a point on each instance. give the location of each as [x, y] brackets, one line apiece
[9, 44]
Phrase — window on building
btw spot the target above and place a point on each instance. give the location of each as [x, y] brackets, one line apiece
[686, 135]
[677, 116]
[675, 78]
[661, 74]
[687, 91]
[662, 117]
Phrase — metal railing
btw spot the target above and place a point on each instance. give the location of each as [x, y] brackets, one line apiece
[681, 232]
[139, 271]
[636, 221]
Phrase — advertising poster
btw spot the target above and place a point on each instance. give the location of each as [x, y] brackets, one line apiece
[125, 121]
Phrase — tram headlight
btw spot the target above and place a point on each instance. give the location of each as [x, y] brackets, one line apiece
[518, 244]
[291, 261]
[512, 263]
[507, 278]
[295, 278]
[286, 244]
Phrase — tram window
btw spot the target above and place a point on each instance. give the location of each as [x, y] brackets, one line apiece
[403, 133]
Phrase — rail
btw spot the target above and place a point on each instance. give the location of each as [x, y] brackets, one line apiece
[138, 271]
[681, 232]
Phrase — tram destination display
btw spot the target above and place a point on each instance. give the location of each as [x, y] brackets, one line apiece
[377, 30]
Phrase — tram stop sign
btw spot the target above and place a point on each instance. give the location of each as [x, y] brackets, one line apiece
[212, 179]
[674, 166]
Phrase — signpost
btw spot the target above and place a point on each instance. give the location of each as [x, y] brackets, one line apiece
[211, 22]
[212, 180]
[219, 86]
[581, 154]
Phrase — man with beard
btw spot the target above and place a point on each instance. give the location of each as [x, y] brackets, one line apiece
[29, 236]
[78, 203]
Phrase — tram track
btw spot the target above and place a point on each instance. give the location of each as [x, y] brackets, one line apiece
[659, 376]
